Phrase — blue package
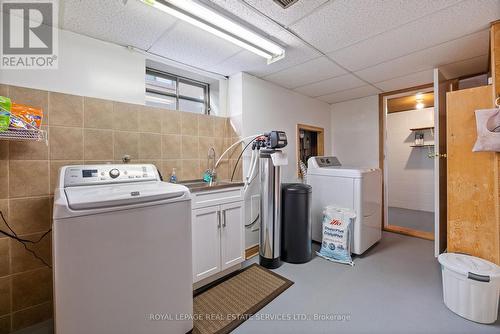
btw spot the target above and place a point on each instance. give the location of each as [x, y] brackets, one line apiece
[337, 234]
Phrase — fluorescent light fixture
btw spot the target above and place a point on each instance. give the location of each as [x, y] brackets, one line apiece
[208, 20]
[419, 96]
[420, 106]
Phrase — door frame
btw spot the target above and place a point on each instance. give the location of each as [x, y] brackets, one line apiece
[382, 148]
[321, 141]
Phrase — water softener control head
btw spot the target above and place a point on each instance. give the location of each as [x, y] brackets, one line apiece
[275, 139]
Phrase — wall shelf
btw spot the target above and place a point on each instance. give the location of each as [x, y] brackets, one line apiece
[422, 129]
[425, 145]
[30, 133]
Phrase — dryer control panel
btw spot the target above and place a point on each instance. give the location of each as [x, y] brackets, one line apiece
[327, 161]
[102, 174]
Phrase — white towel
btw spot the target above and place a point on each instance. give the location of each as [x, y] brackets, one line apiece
[488, 130]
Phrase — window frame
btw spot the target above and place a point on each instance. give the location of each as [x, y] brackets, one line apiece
[180, 79]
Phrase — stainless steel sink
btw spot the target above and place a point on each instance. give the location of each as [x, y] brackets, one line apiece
[200, 185]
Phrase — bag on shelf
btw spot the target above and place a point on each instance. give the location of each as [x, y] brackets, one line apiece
[337, 234]
[25, 117]
[5, 106]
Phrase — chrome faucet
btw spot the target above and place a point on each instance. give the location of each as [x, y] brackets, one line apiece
[211, 169]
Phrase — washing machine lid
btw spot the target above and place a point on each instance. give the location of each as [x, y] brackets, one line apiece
[340, 171]
[106, 196]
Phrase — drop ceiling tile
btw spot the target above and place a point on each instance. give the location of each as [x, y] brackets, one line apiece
[134, 24]
[410, 80]
[309, 72]
[191, 45]
[467, 67]
[296, 50]
[465, 18]
[457, 50]
[343, 22]
[243, 61]
[331, 85]
[286, 16]
[350, 94]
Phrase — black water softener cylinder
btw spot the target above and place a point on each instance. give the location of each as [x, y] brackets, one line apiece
[296, 223]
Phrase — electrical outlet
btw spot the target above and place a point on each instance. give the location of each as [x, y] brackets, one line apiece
[255, 211]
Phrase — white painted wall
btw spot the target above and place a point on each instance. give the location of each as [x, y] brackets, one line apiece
[410, 173]
[87, 67]
[258, 106]
[355, 132]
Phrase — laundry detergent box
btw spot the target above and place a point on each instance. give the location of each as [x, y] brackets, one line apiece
[337, 234]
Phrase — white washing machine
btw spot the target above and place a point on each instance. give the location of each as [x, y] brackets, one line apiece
[121, 252]
[359, 189]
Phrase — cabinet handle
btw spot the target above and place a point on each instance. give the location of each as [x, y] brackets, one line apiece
[218, 219]
[224, 218]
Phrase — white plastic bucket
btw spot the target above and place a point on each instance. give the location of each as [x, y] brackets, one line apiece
[471, 286]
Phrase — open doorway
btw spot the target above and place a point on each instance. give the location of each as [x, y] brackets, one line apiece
[408, 162]
[310, 143]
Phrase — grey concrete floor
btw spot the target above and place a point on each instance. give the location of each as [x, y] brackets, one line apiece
[393, 288]
[414, 219]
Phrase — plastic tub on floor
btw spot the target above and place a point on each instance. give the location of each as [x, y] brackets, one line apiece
[471, 286]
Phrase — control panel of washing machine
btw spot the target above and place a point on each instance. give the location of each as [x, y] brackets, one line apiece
[327, 161]
[99, 174]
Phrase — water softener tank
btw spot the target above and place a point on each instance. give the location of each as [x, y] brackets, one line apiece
[270, 206]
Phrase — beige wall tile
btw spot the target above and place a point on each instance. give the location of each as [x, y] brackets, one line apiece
[4, 256]
[238, 173]
[22, 260]
[29, 150]
[204, 143]
[230, 130]
[149, 146]
[4, 178]
[171, 122]
[28, 178]
[4, 149]
[4, 295]
[31, 288]
[55, 165]
[32, 97]
[98, 144]
[66, 143]
[30, 215]
[219, 126]
[189, 147]
[168, 165]
[126, 116]
[4, 208]
[171, 147]
[4, 90]
[190, 170]
[5, 324]
[150, 119]
[97, 113]
[31, 316]
[65, 109]
[189, 124]
[219, 146]
[126, 143]
[206, 125]
[223, 170]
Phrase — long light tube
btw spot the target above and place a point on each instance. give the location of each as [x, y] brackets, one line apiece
[210, 21]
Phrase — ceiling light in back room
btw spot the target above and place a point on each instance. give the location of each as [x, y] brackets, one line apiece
[212, 22]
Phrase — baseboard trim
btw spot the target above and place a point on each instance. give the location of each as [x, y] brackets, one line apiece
[251, 252]
[410, 232]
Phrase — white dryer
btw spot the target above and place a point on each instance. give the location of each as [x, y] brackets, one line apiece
[121, 252]
[359, 189]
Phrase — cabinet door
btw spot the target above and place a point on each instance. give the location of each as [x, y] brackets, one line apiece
[206, 242]
[232, 234]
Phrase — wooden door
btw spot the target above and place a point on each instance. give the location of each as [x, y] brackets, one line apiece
[206, 242]
[232, 234]
[473, 225]
[440, 177]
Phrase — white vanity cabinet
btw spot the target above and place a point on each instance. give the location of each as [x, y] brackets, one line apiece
[218, 231]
